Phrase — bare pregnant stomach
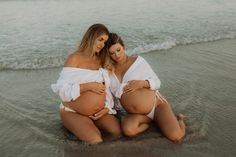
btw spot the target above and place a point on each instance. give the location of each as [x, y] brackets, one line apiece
[139, 102]
[88, 103]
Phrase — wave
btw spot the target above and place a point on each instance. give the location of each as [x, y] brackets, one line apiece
[47, 62]
[32, 63]
[171, 42]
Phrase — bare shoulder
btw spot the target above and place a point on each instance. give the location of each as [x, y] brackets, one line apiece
[73, 60]
[141, 58]
[133, 58]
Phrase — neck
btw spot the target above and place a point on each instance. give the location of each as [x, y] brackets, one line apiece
[124, 61]
[88, 56]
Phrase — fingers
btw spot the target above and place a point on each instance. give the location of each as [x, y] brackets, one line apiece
[99, 114]
[94, 118]
[128, 90]
[100, 91]
[132, 81]
[102, 112]
[132, 85]
[99, 88]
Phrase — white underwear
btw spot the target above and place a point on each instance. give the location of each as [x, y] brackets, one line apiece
[152, 112]
[66, 108]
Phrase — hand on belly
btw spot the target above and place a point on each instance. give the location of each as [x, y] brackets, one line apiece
[140, 101]
[88, 103]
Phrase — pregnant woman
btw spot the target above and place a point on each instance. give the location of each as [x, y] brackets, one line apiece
[135, 85]
[83, 87]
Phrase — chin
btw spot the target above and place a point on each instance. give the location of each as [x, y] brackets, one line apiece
[96, 51]
[119, 59]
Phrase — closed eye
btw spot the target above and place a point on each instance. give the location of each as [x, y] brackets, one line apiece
[112, 53]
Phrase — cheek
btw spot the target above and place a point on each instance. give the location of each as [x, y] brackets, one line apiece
[96, 43]
[113, 57]
[122, 53]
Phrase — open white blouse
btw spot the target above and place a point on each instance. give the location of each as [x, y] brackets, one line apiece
[68, 84]
[139, 70]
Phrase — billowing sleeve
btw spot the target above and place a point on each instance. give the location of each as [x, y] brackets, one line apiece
[109, 103]
[116, 88]
[152, 78]
[67, 91]
[119, 91]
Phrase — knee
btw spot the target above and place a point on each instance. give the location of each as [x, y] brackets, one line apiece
[90, 139]
[176, 136]
[129, 130]
[116, 132]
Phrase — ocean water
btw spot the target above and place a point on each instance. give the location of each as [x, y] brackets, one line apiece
[190, 44]
[40, 34]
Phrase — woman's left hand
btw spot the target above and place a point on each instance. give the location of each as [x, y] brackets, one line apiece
[132, 86]
[99, 114]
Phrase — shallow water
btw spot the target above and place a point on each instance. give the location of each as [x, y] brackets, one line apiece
[198, 80]
[38, 34]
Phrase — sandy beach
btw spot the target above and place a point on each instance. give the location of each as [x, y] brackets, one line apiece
[199, 80]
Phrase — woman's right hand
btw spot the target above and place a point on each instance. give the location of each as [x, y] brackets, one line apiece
[96, 87]
[99, 114]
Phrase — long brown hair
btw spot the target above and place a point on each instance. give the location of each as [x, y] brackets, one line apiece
[93, 32]
[106, 60]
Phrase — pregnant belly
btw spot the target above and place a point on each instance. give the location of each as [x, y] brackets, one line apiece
[140, 101]
[88, 103]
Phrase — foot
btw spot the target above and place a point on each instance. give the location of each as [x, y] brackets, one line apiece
[180, 116]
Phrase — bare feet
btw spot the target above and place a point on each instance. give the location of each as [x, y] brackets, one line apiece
[182, 126]
[180, 116]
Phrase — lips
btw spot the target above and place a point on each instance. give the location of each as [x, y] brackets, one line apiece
[98, 48]
[118, 58]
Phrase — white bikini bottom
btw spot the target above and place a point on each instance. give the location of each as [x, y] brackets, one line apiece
[66, 108]
[152, 112]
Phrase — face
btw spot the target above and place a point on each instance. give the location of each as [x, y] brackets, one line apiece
[117, 52]
[100, 42]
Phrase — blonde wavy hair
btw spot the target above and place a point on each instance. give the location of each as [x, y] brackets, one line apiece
[93, 32]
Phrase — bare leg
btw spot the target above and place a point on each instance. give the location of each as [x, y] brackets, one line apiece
[110, 124]
[181, 122]
[134, 124]
[81, 126]
[168, 123]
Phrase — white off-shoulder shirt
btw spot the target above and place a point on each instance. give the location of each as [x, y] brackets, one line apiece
[68, 84]
[139, 70]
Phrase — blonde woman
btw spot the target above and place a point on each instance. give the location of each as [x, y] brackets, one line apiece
[83, 87]
[135, 85]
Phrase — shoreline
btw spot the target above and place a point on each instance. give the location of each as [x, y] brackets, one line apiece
[220, 41]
